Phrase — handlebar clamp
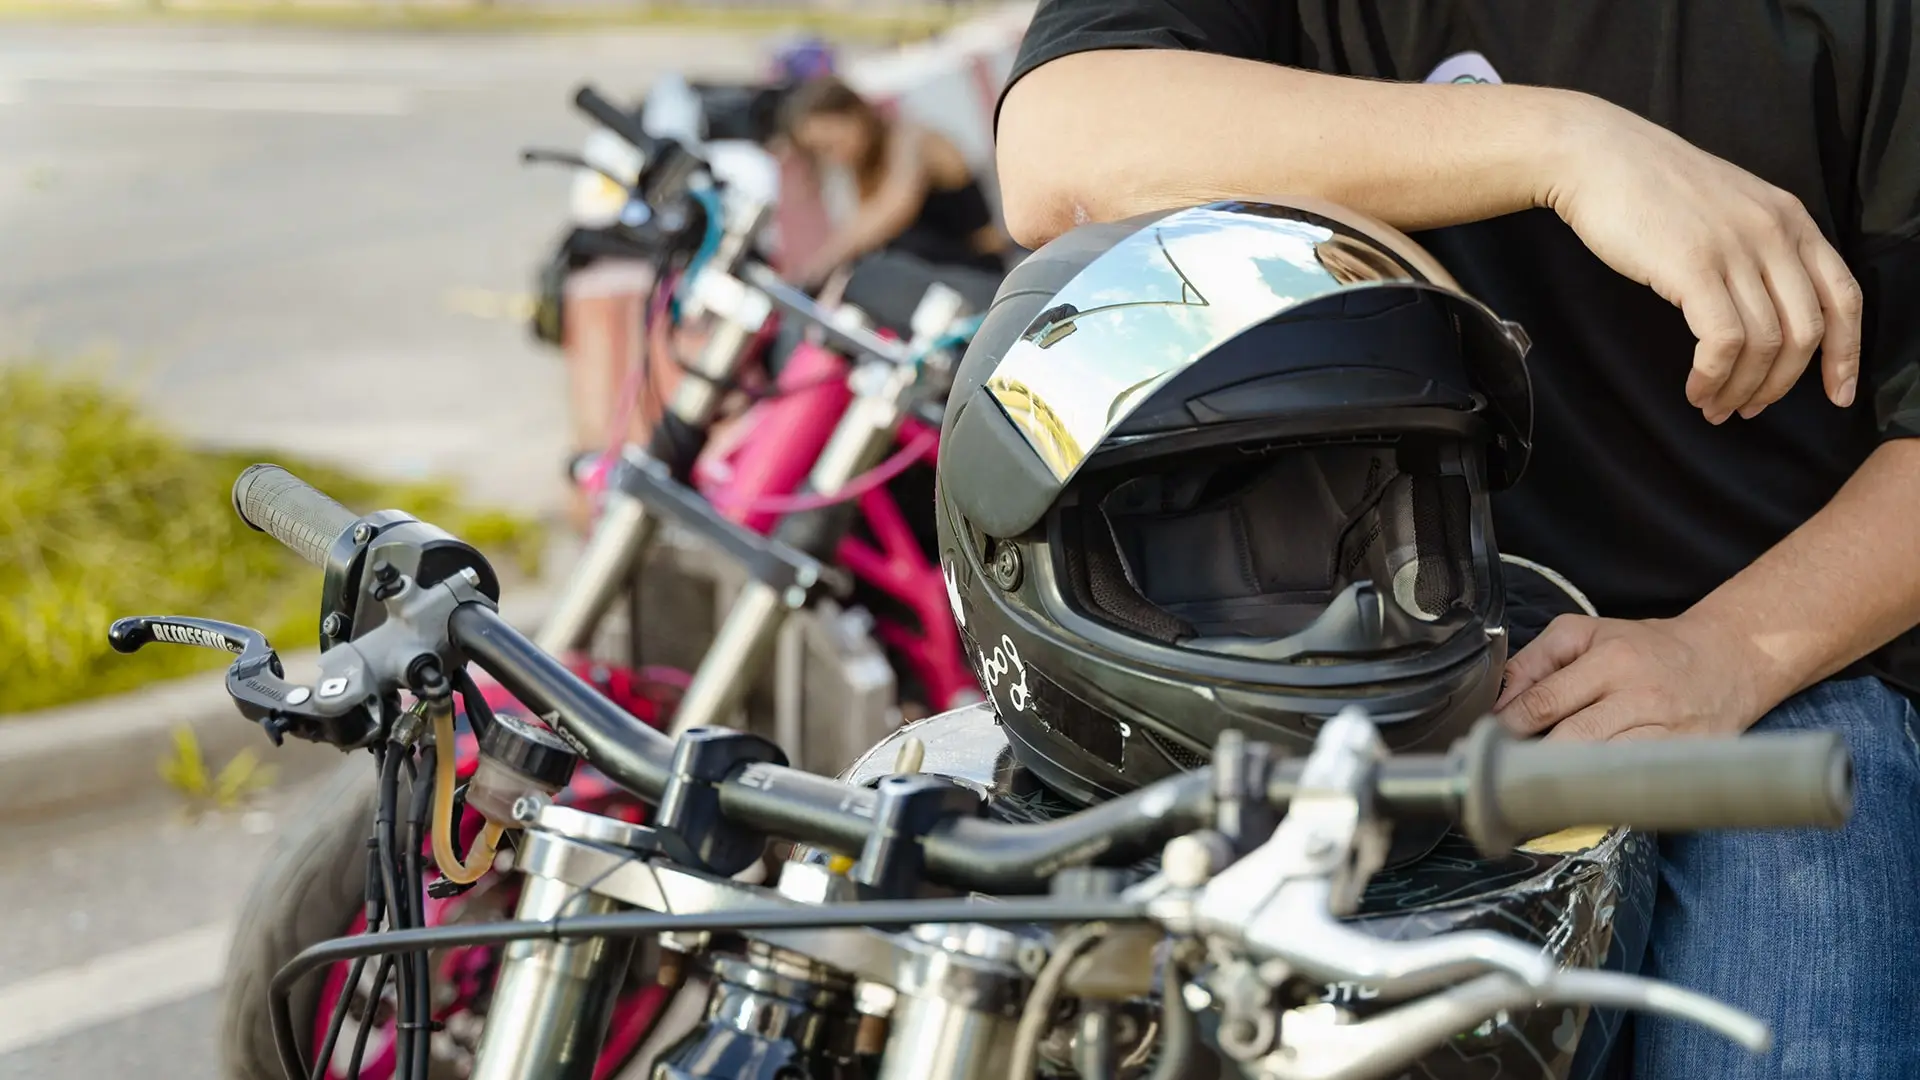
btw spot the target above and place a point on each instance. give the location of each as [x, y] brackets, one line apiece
[905, 808]
[690, 805]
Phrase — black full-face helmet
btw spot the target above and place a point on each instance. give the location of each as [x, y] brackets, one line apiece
[1228, 467]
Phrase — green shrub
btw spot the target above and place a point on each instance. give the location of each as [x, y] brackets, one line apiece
[103, 514]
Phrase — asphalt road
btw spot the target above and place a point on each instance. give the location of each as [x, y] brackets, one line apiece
[309, 241]
[284, 240]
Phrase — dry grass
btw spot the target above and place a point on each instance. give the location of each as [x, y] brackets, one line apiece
[103, 514]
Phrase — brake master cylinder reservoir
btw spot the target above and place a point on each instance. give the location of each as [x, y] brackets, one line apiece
[517, 758]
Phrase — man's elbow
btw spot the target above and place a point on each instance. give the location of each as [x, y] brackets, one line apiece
[1044, 182]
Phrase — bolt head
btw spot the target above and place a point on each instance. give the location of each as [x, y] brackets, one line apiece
[362, 532]
[1006, 566]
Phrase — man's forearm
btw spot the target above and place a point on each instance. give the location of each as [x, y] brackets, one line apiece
[1836, 588]
[1072, 146]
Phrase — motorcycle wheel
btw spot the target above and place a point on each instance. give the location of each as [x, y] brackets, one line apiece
[312, 890]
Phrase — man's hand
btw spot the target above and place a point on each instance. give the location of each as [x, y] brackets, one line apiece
[1759, 285]
[1588, 678]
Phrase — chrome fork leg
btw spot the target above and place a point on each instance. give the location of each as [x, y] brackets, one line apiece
[738, 651]
[554, 999]
[618, 542]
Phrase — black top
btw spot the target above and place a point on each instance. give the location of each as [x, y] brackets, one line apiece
[1631, 493]
[944, 231]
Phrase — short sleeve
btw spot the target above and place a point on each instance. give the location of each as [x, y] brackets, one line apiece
[1247, 29]
[1885, 251]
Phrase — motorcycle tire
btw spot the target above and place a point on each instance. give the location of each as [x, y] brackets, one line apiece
[311, 890]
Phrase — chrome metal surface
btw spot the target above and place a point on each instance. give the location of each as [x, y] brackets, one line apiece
[940, 306]
[718, 293]
[739, 647]
[858, 951]
[971, 939]
[866, 429]
[957, 1003]
[933, 1039]
[1162, 298]
[619, 537]
[553, 999]
[579, 825]
[744, 220]
[964, 744]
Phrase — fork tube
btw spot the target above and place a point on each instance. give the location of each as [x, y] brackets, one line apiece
[745, 638]
[554, 999]
[619, 539]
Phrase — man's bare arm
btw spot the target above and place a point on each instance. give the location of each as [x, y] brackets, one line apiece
[1102, 135]
[1838, 587]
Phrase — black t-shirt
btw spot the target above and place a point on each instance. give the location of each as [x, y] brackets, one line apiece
[1631, 492]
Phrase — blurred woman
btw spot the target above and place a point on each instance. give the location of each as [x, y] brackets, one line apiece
[919, 200]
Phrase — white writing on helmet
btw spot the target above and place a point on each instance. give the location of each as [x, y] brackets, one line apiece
[953, 593]
[993, 670]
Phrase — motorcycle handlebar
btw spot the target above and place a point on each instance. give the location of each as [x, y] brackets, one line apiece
[274, 501]
[616, 120]
[1500, 790]
[1517, 790]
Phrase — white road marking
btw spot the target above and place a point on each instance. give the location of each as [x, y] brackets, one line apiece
[110, 987]
[240, 95]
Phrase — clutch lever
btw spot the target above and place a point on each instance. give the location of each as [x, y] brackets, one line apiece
[1294, 927]
[1579, 986]
[562, 157]
[334, 711]
[1387, 1042]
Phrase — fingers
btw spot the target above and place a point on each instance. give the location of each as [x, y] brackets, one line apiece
[1554, 698]
[1564, 639]
[1759, 312]
[1761, 340]
[1720, 332]
[1573, 684]
[1841, 307]
[1803, 324]
[1614, 717]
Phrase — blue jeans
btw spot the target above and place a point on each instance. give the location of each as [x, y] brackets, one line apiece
[1817, 932]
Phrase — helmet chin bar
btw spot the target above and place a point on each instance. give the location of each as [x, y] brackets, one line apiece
[1363, 621]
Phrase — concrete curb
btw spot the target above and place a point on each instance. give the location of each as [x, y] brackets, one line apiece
[83, 756]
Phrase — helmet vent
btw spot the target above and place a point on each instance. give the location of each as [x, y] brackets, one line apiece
[1440, 533]
[1182, 757]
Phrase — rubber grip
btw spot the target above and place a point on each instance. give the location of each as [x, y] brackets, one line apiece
[1517, 790]
[615, 119]
[290, 510]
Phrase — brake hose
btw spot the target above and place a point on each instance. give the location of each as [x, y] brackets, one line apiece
[480, 858]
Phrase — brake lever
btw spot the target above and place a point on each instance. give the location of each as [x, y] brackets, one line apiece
[256, 681]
